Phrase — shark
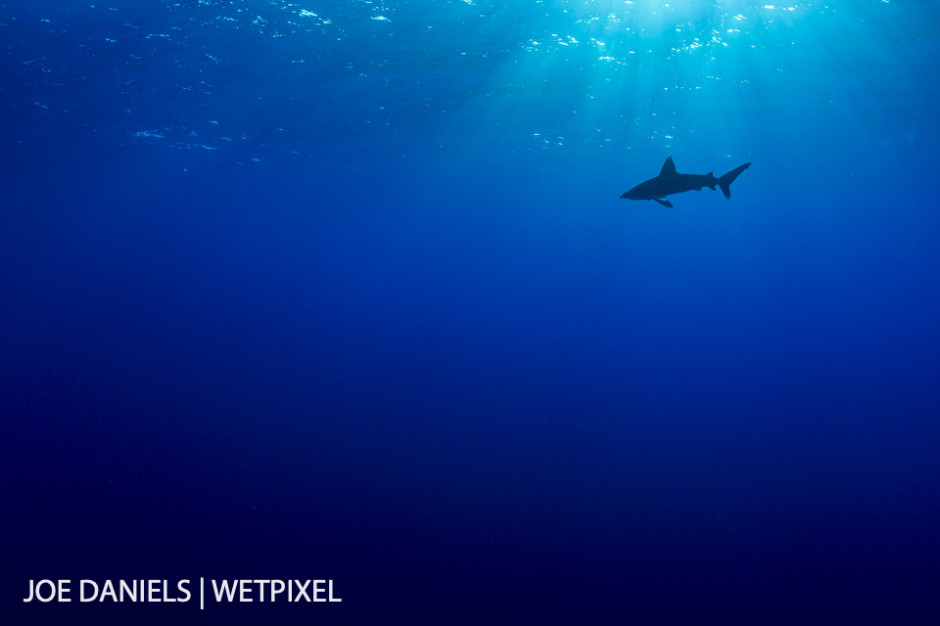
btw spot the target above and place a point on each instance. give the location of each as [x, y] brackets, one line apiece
[671, 182]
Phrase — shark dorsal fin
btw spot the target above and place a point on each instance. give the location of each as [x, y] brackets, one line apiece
[669, 168]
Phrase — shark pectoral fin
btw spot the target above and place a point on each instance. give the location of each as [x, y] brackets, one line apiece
[663, 202]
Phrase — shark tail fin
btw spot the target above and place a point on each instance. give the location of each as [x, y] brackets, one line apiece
[725, 181]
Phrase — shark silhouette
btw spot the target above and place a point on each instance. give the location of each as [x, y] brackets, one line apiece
[670, 182]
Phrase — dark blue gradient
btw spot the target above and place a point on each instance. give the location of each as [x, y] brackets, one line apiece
[289, 291]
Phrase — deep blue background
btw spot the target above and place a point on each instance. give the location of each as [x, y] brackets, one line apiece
[328, 296]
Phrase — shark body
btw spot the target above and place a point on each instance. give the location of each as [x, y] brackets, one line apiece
[671, 182]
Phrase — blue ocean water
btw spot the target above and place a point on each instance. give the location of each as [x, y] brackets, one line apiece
[345, 289]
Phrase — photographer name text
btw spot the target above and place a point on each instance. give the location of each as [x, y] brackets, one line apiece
[218, 591]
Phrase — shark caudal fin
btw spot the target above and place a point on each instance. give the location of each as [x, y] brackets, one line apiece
[725, 181]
